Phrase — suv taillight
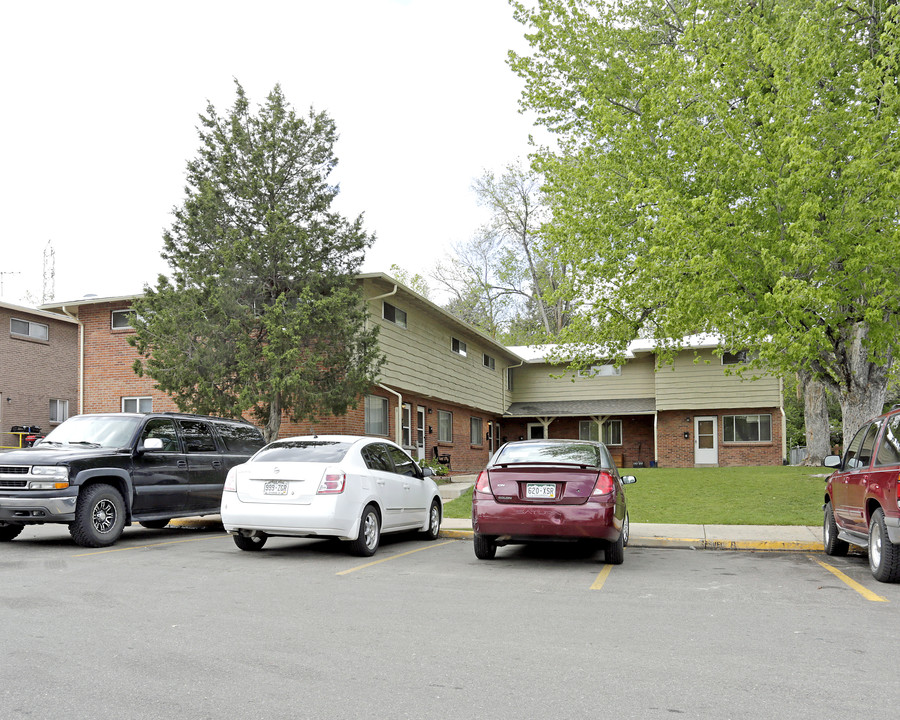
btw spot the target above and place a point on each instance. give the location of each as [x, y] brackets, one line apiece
[605, 484]
[333, 483]
[483, 483]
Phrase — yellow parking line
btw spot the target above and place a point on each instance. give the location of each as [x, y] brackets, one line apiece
[393, 557]
[601, 578]
[141, 547]
[862, 590]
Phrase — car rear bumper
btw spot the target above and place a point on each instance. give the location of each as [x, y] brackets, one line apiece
[591, 520]
[325, 520]
[37, 509]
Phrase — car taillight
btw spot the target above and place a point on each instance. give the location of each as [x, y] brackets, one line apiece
[483, 483]
[332, 483]
[605, 484]
[230, 482]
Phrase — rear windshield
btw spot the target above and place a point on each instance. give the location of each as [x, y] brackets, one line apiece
[314, 451]
[563, 453]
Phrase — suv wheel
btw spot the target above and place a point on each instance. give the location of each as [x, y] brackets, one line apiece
[833, 544]
[884, 556]
[99, 516]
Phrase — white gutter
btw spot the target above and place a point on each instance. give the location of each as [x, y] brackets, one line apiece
[80, 358]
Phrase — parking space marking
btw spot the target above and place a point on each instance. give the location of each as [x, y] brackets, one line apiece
[142, 547]
[393, 557]
[601, 578]
[850, 582]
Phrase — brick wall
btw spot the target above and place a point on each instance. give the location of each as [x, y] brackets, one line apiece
[677, 451]
[33, 372]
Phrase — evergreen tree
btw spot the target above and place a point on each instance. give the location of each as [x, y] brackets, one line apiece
[262, 313]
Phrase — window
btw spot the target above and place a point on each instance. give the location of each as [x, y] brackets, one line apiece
[445, 426]
[403, 463]
[729, 358]
[588, 430]
[509, 379]
[376, 422]
[608, 370]
[26, 328]
[163, 429]
[377, 457]
[197, 436]
[889, 452]
[244, 439]
[59, 411]
[458, 346]
[405, 425]
[747, 428]
[137, 404]
[488, 361]
[476, 428]
[121, 319]
[393, 314]
[612, 432]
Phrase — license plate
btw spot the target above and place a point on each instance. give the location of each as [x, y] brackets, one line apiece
[542, 491]
[275, 488]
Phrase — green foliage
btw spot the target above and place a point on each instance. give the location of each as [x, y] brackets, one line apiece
[727, 167]
[439, 468]
[262, 313]
[714, 496]
[414, 281]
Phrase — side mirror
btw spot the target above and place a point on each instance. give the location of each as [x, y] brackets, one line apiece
[152, 444]
[427, 472]
[832, 461]
[628, 479]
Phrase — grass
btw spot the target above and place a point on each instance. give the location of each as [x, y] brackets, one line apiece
[714, 496]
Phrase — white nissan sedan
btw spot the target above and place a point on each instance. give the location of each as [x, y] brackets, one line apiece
[330, 486]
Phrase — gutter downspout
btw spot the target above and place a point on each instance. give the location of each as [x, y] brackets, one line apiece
[380, 297]
[398, 414]
[80, 359]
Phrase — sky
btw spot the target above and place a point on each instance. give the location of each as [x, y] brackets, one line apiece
[101, 105]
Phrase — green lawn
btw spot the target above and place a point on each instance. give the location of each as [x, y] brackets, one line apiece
[714, 496]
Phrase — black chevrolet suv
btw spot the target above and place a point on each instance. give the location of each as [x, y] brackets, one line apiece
[99, 473]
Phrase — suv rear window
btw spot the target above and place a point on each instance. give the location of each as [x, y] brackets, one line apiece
[313, 451]
[563, 453]
[243, 439]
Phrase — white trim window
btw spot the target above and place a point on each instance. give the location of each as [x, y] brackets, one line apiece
[509, 379]
[488, 361]
[405, 425]
[458, 346]
[612, 431]
[588, 430]
[29, 329]
[376, 412]
[734, 358]
[445, 426]
[476, 431]
[393, 314]
[137, 404]
[121, 319]
[746, 428]
[59, 411]
[607, 370]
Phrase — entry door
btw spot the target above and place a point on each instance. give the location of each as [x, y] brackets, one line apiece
[420, 433]
[706, 441]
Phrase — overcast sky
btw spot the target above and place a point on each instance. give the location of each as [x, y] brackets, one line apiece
[100, 113]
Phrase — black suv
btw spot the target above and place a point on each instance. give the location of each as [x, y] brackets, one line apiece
[99, 473]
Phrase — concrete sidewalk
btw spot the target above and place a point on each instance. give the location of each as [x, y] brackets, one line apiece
[801, 538]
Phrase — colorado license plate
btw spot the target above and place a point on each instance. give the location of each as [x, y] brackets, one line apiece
[542, 491]
[275, 488]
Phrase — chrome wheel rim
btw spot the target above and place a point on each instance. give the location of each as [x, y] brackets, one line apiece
[625, 530]
[435, 521]
[875, 546]
[104, 516]
[370, 530]
[827, 531]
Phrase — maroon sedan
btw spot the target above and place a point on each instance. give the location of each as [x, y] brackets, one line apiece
[539, 490]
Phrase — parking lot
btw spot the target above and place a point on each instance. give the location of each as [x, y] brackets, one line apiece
[179, 622]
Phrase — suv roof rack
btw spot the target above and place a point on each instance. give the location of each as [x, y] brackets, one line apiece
[203, 417]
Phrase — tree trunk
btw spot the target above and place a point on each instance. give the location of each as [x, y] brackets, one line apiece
[815, 416]
[863, 392]
[270, 431]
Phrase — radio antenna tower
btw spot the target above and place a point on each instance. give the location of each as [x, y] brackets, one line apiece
[49, 288]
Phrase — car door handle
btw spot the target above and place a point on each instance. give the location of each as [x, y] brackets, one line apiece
[181, 463]
[379, 482]
[217, 463]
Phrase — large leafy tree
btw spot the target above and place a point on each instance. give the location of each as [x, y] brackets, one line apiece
[731, 167]
[262, 313]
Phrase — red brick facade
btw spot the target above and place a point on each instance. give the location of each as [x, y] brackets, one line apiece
[34, 371]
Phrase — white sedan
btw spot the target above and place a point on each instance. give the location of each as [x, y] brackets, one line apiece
[331, 486]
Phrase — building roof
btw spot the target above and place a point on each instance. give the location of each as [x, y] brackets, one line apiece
[581, 408]
[556, 353]
[34, 311]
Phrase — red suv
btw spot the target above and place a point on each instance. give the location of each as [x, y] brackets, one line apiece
[861, 505]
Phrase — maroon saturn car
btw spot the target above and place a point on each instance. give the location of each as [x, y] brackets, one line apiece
[551, 490]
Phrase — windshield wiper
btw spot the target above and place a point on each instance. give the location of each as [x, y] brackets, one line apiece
[85, 443]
